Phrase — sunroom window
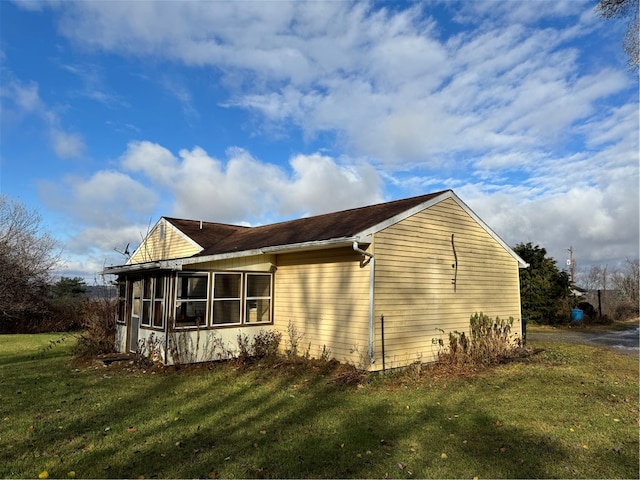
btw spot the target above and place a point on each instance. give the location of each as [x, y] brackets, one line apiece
[258, 298]
[147, 287]
[153, 302]
[158, 302]
[227, 288]
[191, 300]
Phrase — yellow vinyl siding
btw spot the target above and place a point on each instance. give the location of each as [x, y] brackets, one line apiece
[414, 289]
[163, 243]
[256, 263]
[325, 294]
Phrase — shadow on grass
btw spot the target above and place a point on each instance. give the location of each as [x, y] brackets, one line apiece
[254, 423]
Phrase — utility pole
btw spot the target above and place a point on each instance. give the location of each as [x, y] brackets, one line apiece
[570, 263]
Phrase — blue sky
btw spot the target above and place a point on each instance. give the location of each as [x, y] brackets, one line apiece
[116, 113]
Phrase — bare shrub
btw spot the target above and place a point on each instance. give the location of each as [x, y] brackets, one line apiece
[489, 342]
[265, 344]
[99, 327]
[294, 339]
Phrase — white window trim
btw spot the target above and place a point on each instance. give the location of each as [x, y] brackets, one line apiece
[151, 301]
[214, 299]
[206, 301]
[210, 300]
[247, 298]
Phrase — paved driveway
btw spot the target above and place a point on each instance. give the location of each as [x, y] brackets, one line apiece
[626, 341]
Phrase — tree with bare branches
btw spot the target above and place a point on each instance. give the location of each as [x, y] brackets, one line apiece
[625, 9]
[28, 256]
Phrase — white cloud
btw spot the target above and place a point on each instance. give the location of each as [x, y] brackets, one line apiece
[384, 81]
[23, 99]
[244, 189]
[107, 198]
[66, 145]
[319, 185]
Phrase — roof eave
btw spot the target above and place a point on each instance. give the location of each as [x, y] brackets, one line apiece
[170, 265]
[178, 263]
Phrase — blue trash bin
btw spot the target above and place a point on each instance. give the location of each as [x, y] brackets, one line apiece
[576, 315]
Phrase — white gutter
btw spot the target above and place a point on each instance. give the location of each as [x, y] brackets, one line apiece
[371, 290]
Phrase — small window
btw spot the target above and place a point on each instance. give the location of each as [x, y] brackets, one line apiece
[158, 302]
[191, 300]
[258, 298]
[227, 288]
[135, 294]
[146, 302]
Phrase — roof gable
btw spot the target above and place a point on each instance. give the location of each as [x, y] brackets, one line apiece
[163, 241]
[220, 240]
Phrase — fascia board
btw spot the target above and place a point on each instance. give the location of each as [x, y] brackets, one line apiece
[140, 267]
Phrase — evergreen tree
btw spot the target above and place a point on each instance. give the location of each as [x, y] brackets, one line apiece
[544, 290]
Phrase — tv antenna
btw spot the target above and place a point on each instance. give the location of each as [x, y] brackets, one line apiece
[125, 252]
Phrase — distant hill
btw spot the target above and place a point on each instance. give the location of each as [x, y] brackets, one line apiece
[101, 291]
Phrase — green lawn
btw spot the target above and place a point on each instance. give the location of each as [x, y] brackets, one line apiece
[569, 412]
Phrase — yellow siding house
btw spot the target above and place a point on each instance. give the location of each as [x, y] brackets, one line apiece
[372, 286]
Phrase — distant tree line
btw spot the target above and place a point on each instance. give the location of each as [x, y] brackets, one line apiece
[547, 295]
[612, 293]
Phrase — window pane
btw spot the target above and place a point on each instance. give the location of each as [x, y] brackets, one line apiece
[158, 313]
[226, 285]
[146, 291]
[192, 286]
[258, 311]
[258, 286]
[226, 311]
[136, 307]
[159, 288]
[146, 312]
[190, 313]
[136, 289]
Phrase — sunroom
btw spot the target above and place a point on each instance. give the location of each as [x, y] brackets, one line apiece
[170, 314]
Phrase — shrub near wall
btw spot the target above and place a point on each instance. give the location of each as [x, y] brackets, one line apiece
[99, 328]
[489, 342]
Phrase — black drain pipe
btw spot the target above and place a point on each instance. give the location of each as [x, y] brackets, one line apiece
[382, 335]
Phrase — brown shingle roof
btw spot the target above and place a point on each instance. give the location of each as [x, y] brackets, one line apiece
[217, 238]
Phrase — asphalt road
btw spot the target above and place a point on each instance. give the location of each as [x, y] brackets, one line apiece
[627, 341]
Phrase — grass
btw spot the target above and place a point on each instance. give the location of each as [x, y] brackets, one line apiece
[569, 412]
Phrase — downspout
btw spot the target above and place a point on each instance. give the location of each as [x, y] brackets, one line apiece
[371, 290]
